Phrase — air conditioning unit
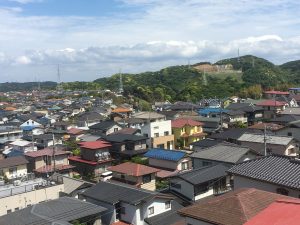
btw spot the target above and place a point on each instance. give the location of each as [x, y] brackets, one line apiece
[17, 183]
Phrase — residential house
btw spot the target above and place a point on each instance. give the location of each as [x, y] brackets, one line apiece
[135, 174]
[186, 131]
[184, 107]
[120, 113]
[22, 146]
[235, 116]
[222, 153]
[46, 140]
[159, 134]
[13, 167]
[278, 174]
[273, 94]
[8, 134]
[233, 208]
[199, 183]
[87, 119]
[275, 144]
[105, 127]
[212, 112]
[48, 161]
[94, 158]
[205, 143]
[272, 215]
[75, 133]
[284, 120]
[294, 91]
[292, 129]
[272, 108]
[125, 146]
[273, 127]
[126, 204]
[170, 160]
[64, 210]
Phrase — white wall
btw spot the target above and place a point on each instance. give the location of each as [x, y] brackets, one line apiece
[243, 182]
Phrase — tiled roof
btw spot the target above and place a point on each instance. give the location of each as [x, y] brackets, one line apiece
[45, 152]
[163, 154]
[13, 161]
[89, 162]
[223, 152]
[75, 131]
[121, 110]
[133, 169]
[280, 170]
[271, 139]
[50, 168]
[277, 92]
[281, 212]
[95, 144]
[179, 123]
[269, 126]
[271, 103]
[232, 208]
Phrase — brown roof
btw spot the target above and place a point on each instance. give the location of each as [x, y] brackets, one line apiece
[269, 126]
[133, 169]
[13, 161]
[46, 152]
[121, 110]
[179, 123]
[233, 208]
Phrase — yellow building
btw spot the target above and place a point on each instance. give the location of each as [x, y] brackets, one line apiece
[13, 167]
[186, 131]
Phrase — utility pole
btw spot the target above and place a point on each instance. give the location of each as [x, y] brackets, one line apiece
[265, 139]
[53, 155]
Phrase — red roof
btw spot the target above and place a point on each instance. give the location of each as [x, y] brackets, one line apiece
[93, 163]
[95, 144]
[271, 103]
[179, 123]
[50, 168]
[45, 152]
[75, 131]
[133, 169]
[277, 92]
[281, 212]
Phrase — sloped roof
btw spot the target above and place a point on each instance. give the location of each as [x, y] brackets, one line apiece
[124, 137]
[281, 212]
[95, 144]
[223, 152]
[62, 210]
[104, 125]
[271, 139]
[279, 170]
[133, 169]
[45, 152]
[13, 161]
[232, 208]
[204, 174]
[179, 123]
[164, 154]
[271, 102]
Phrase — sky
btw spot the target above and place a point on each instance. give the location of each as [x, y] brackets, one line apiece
[90, 39]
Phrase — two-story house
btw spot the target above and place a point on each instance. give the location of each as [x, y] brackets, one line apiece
[94, 158]
[13, 167]
[127, 204]
[105, 127]
[135, 174]
[272, 107]
[47, 161]
[186, 131]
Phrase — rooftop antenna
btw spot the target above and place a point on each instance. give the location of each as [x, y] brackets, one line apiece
[121, 89]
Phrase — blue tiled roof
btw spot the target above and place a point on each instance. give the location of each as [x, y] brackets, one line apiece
[28, 128]
[164, 154]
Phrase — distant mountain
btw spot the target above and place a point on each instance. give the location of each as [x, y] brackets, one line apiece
[27, 86]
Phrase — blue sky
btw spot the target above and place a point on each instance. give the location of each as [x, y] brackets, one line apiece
[94, 38]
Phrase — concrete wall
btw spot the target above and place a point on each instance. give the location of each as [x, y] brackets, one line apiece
[29, 198]
[243, 182]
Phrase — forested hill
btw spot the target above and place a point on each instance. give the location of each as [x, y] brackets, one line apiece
[27, 86]
[246, 78]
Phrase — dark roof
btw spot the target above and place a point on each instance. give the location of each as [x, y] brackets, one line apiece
[246, 107]
[286, 118]
[113, 193]
[205, 143]
[232, 208]
[104, 125]
[281, 170]
[164, 154]
[233, 133]
[167, 218]
[223, 152]
[62, 211]
[90, 116]
[204, 174]
[124, 138]
[13, 161]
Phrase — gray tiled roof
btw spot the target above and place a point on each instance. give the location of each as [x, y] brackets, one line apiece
[113, 193]
[205, 174]
[280, 170]
[223, 152]
[271, 139]
[61, 211]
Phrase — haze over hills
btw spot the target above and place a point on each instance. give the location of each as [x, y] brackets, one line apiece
[231, 76]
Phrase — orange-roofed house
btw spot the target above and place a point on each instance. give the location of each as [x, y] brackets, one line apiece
[186, 131]
[120, 113]
[94, 159]
[135, 174]
[272, 107]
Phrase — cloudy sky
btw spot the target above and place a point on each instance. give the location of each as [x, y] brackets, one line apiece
[94, 38]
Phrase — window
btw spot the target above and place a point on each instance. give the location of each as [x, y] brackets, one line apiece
[156, 134]
[184, 165]
[145, 135]
[151, 210]
[290, 134]
[156, 127]
[16, 209]
[12, 170]
[8, 211]
[168, 205]
[146, 178]
[116, 129]
[166, 133]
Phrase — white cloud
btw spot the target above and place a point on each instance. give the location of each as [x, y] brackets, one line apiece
[26, 1]
[23, 60]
